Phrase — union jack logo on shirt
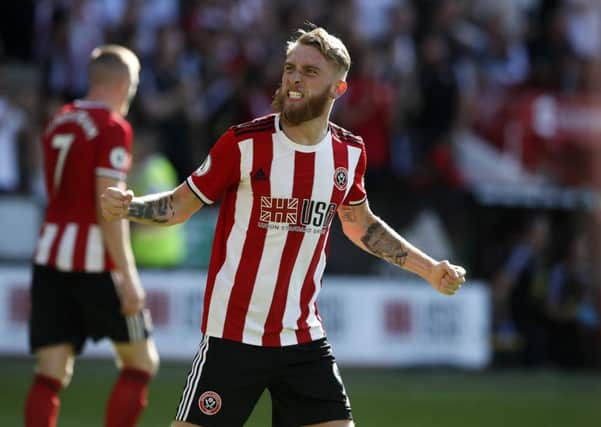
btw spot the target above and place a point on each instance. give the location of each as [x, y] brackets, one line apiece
[279, 210]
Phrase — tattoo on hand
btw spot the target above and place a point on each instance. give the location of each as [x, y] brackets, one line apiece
[159, 210]
[382, 244]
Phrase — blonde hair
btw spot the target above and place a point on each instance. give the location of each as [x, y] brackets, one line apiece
[330, 46]
[111, 60]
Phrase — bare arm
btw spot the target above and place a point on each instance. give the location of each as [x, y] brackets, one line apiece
[374, 236]
[115, 235]
[168, 208]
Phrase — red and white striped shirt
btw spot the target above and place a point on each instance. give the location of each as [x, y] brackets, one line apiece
[83, 140]
[269, 251]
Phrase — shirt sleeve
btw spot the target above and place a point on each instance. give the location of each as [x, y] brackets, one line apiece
[219, 171]
[114, 151]
[357, 193]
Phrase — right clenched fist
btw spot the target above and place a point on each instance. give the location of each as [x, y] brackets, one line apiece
[114, 203]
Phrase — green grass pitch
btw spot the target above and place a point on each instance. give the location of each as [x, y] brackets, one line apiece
[380, 398]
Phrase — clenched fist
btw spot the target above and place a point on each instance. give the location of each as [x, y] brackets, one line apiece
[114, 203]
[447, 278]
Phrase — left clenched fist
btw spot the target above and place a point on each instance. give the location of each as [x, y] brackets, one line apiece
[447, 278]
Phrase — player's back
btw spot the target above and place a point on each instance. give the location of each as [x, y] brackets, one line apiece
[83, 140]
[69, 153]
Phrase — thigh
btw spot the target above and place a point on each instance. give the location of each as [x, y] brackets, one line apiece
[101, 313]
[308, 389]
[55, 316]
[224, 383]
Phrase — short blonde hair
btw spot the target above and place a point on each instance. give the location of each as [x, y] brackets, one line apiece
[330, 46]
[109, 60]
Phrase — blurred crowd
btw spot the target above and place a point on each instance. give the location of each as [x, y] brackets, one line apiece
[449, 95]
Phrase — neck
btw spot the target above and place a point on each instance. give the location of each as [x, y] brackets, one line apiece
[310, 132]
[97, 95]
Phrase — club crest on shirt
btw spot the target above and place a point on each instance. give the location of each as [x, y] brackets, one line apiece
[340, 178]
[204, 167]
[209, 403]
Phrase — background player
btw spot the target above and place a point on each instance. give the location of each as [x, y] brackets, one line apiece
[85, 283]
[282, 177]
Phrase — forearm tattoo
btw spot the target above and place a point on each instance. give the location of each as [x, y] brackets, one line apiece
[159, 210]
[348, 214]
[381, 243]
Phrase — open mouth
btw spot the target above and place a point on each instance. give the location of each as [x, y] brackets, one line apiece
[294, 95]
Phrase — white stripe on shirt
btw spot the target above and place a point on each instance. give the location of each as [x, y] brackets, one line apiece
[224, 280]
[94, 261]
[45, 243]
[66, 248]
[282, 180]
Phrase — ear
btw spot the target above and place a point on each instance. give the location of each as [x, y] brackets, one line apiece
[339, 89]
[122, 86]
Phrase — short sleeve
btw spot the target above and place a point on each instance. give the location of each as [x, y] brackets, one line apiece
[114, 150]
[219, 171]
[357, 193]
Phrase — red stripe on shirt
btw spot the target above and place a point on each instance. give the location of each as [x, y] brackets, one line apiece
[223, 228]
[54, 246]
[310, 286]
[79, 252]
[304, 172]
[252, 250]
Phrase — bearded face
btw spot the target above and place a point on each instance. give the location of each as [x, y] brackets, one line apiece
[295, 110]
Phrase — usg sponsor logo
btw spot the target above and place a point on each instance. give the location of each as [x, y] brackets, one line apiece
[300, 212]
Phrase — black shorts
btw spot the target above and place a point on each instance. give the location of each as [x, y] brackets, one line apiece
[227, 378]
[69, 307]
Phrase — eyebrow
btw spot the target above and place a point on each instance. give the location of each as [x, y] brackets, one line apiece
[304, 67]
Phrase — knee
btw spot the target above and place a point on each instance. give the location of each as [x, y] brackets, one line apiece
[153, 363]
[143, 357]
[147, 362]
[62, 372]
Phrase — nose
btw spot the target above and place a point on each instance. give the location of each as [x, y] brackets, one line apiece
[295, 76]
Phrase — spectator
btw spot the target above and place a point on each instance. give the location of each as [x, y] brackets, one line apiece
[437, 114]
[13, 122]
[571, 307]
[367, 111]
[171, 96]
[519, 289]
[65, 42]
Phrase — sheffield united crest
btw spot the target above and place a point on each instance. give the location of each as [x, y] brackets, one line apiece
[340, 178]
[209, 403]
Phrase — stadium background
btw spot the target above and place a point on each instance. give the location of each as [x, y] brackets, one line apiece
[481, 120]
